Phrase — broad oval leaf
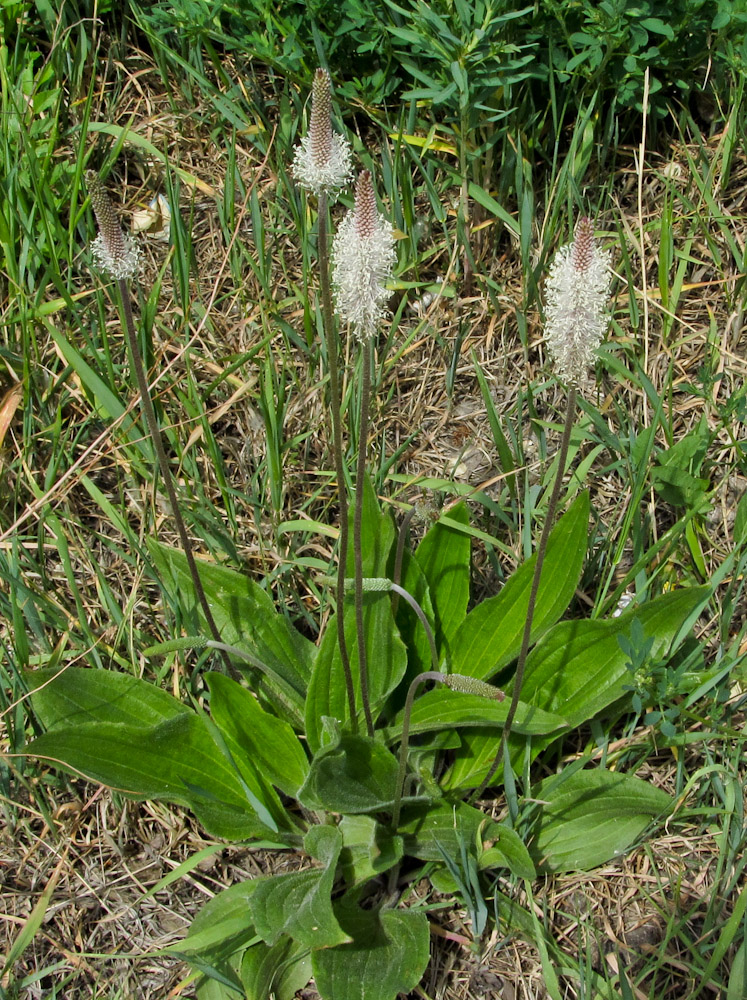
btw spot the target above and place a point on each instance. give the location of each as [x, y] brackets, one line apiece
[245, 616]
[444, 557]
[78, 695]
[443, 708]
[387, 956]
[429, 830]
[580, 667]
[176, 761]
[267, 744]
[577, 670]
[299, 904]
[354, 775]
[592, 816]
[490, 636]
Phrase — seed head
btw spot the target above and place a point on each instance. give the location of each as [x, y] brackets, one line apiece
[322, 160]
[576, 304]
[113, 252]
[364, 256]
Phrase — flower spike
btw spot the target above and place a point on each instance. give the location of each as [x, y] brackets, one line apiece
[113, 252]
[364, 257]
[576, 310]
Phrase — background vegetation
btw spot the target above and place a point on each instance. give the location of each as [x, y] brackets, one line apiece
[489, 128]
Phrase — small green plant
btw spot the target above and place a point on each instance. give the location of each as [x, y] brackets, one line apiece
[338, 751]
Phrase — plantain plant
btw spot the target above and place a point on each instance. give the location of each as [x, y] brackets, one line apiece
[367, 754]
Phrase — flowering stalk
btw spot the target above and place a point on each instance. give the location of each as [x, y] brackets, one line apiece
[322, 164]
[577, 290]
[364, 256]
[115, 254]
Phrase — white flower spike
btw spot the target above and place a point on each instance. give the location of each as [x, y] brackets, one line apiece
[576, 304]
[364, 256]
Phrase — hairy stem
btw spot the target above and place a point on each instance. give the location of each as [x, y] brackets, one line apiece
[357, 531]
[334, 393]
[163, 463]
[427, 675]
[541, 550]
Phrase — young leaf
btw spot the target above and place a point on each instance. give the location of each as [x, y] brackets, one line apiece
[279, 971]
[444, 557]
[591, 817]
[387, 955]
[354, 774]
[299, 904]
[490, 636]
[368, 848]
[431, 829]
[256, 736]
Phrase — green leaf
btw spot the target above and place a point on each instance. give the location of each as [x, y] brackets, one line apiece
[354, 774]
[175, 761]
[490, 636]
[222, 927]
[279, 971]
[410, 629]
[368, 849]
[386, 653]
[580, 668]
[245, 616]
[443, 708]
[444, 557]
[377, 537]
[431, 829]
[577, 670]
[387, 662]
[78, 695]
[592, 816]
[388, 954]
[255, 736]
[299, 904]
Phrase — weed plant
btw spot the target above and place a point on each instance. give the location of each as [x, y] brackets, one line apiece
[359, 767]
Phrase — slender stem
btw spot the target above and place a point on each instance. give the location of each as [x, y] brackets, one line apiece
[357, 531]
[427, 675]
[334, 392]
[401, 539]
[541, 550]
[163, 463]
[400, 591]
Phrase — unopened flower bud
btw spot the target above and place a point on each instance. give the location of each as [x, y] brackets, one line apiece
[113, 252]
[322, 160]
